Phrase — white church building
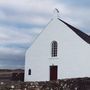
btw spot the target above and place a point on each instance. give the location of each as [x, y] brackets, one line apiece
[60, 51]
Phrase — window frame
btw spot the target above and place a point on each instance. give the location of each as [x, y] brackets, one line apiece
[54, 49]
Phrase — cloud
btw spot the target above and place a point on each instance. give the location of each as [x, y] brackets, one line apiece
[28, 11]
[14, 35]
[11, 57]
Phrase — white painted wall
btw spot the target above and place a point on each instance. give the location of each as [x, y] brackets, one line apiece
[73, 54]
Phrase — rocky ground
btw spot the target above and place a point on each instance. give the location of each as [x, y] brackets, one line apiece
[66, 84]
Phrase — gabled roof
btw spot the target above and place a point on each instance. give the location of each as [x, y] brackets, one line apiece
[81, 34]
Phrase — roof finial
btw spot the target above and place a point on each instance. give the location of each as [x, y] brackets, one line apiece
[57, 10]
[56, 13]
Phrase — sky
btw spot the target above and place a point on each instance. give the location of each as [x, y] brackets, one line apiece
[22, 20]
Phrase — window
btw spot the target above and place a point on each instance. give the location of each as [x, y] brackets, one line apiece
[29, 72]
[54, 49]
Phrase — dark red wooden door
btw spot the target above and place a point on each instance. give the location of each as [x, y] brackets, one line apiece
[53, 72]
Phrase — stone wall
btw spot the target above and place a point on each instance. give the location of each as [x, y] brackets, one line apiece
[66, 84]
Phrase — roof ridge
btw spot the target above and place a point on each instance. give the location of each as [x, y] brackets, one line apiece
[80, 33]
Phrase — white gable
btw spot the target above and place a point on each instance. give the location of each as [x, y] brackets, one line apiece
[73, 58]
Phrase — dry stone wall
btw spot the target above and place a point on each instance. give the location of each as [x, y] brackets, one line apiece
[66, 84]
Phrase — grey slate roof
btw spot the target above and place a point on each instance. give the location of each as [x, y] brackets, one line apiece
[81, 34]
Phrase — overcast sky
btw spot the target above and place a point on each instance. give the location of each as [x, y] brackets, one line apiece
[22, 20]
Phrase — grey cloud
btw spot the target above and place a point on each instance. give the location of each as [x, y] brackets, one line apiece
[77, 3]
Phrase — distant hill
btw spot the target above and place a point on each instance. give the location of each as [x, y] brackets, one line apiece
[9, 74]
